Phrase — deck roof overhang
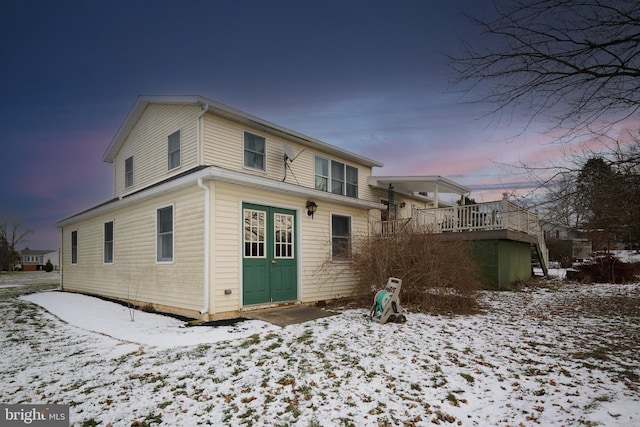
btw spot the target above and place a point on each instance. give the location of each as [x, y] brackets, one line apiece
[433, 184]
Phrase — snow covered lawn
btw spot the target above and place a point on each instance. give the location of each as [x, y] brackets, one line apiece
[562, 355]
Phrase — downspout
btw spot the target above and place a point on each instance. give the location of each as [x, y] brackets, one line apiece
[205, 108]
[205, 281]
[205, 306]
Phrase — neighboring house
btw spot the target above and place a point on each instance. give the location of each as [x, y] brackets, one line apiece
[566, 244]
[216, 211]
[35, 260]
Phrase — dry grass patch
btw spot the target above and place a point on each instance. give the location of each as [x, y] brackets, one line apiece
[437, 276]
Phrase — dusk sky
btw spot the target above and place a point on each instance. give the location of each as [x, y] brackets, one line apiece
[368, 76]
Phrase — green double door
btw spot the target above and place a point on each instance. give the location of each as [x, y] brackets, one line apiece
[269, 265]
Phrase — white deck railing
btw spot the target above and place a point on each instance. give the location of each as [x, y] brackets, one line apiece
[500, 215]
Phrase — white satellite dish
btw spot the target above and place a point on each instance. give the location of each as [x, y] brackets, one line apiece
[289, 156]
[288, 152]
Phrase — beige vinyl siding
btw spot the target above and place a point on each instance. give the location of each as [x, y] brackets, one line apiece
[224, 147]
[410, 201]
[320, 278]
[147, 143]
[135, 274]
[324, 278]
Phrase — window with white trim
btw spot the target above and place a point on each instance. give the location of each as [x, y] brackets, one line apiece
[173, 150]
[74, 247]
[283, 235]
[254, 151]
[164, 251]
[128, 172]
[108, 242]
[352, 182]
[336, 177]
[340, 238]
[322, 174]
[255, 232]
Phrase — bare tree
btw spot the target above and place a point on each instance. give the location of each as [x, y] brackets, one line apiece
[575, 62]
[561, 202]
[11, 235]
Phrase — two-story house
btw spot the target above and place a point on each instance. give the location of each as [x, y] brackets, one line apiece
[216, 211]
[36, 259]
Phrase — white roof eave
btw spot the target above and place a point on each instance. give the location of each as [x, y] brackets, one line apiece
[419, 184]
[230, 113]
[213, 173]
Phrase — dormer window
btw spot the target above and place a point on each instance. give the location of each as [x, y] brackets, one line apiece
[254, 151]
[128, 172]
[174, 150]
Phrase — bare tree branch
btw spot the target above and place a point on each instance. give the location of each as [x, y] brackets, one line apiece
[576, 63]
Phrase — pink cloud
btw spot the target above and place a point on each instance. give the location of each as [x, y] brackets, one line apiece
[72, 169]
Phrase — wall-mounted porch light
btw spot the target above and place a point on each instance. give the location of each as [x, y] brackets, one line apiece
[311, 208]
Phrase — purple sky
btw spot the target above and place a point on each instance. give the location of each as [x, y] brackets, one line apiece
[369, 76]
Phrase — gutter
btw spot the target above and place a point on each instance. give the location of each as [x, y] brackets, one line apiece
[205, 108]
[214, 173]
[205, 281]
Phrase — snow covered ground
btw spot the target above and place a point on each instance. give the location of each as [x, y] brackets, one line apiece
[559, 355]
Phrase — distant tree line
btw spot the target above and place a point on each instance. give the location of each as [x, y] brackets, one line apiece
[601, 199]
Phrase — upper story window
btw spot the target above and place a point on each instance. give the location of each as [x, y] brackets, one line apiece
[108, 242]
[352, 182]
[254, 151]
[173, 150]
[322, 174]
[343, 179]
[128, 172]
[337, 177]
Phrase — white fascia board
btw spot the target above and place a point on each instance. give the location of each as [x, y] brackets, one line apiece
[138, 196]
[233, 177]
[134, 114]
[427, 183]
[213, 173]
[230, 113]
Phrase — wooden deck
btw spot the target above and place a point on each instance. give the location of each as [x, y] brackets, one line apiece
[500, 220]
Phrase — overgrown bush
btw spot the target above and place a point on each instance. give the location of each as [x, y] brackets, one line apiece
[607, 269]
[437, 276]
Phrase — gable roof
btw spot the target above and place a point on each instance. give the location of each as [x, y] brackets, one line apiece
[36, 252]
[229, 113]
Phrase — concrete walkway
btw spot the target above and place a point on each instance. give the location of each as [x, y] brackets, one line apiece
[288, 315]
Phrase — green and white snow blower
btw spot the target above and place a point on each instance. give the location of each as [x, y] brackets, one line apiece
[386, 303]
